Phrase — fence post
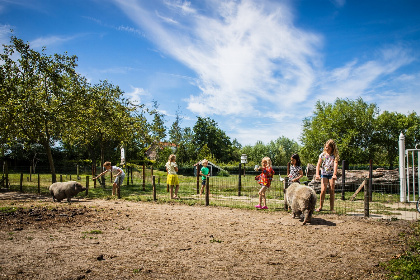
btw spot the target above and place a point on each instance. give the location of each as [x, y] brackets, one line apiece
[39, 185]
[128, 175]
[403, 183]
[208, 191]
[21, 182]
[30, 173]
[286, 183]
[154, 188]
[7, 175]
[120, 182]
[239, 181]
[370, 179]
[366, 204]
[61, 177]
[131, 171]
[198, 178]
[144, 177]
[87, 185]
[343, 179]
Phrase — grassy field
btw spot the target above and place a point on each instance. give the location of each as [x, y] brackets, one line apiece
[223, 192]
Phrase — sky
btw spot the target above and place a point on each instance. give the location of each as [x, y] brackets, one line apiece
[256, 67]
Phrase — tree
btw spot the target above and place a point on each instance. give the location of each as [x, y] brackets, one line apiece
[175, 132]
[349, 122]
[388, 127]
[207, 132]
[106, 120]
[36, 94]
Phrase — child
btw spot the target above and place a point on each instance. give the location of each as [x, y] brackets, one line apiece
[204, 172]
[172, 179]
[264, 179]
[328, 162]
[295, 172]
[118, 174]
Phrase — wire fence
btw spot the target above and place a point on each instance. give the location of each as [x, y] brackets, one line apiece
[149, 185]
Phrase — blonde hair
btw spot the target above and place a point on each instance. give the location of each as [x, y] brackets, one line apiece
[331, 143]
[171, 157]
[107, 163]
[268, 160]
[204, 160]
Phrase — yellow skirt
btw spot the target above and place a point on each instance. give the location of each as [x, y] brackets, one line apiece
[172, 180]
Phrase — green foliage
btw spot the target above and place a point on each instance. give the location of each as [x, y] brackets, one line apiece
[279, 151]
[349, 122]
[207, 133]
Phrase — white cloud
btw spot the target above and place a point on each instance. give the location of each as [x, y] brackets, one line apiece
[136, 94]
[50, 41]
[249, 58]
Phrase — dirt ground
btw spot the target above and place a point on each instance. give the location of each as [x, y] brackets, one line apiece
[110, 239]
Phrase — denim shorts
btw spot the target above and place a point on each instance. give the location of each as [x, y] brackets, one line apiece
[119, 179]
[328, 176]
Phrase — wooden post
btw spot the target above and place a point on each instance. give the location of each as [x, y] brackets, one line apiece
[119, 183]
[370, 179]
[343, 179]
[154, 188]
[21, 182]
[87, 185]
[366, 204]
[30, 173]
[7, 175]
[198, 178]
[128, 175]
[239, 180]
[208, 191]
[144, 177]
[39, 185]
[61, 177]
[69, 176]
[286, 183]
[131, 169]
[77, 171]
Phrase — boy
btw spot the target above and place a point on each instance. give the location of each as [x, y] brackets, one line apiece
[204, 174]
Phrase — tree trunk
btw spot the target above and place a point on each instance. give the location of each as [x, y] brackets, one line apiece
[50, 160]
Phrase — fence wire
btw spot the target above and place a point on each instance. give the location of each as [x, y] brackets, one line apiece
[224, 191]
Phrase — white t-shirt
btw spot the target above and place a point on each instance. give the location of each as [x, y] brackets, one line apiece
[170, 166]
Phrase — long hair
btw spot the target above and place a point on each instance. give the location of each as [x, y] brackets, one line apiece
[297, 158]
[268, 160]
[334, 150]
[171, 157]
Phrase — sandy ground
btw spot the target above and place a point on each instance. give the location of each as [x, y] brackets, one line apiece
[98, 239]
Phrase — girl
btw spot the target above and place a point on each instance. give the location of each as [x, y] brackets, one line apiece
[172, 179]
[328, 162]
[264, 179]
[118, 174]
[295, 172]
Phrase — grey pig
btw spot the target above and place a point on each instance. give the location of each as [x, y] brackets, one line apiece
[61, 190]
[302, 200]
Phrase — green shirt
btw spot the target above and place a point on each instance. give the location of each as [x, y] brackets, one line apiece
[204, 170]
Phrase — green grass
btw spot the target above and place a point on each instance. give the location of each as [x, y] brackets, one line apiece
[407, 265]
[223, 190]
